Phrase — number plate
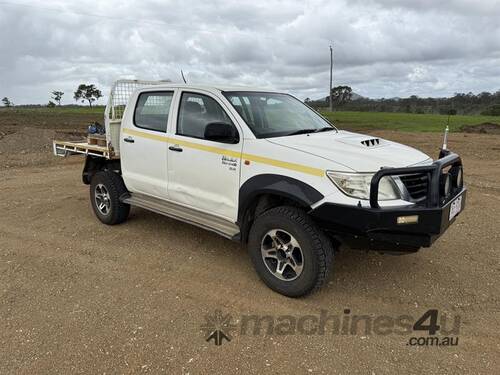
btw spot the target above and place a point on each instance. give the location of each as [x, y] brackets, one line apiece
[455, 207]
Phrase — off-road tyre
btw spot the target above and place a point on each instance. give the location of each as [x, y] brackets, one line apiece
[315, 246]
[112, 183]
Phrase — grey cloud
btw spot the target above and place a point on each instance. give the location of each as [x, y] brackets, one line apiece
[383, 48]
[469, 7]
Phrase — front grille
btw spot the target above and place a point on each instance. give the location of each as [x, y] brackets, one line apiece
[416, 184]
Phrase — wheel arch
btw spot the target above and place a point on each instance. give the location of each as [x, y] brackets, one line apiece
[265, 191]
[95, 164]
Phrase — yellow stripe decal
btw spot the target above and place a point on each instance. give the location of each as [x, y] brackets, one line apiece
[221, 151]
[284, 164]
[146, 135]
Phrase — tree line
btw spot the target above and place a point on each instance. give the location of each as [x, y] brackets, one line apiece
[344, 99]
[84, 93]
[484, 103]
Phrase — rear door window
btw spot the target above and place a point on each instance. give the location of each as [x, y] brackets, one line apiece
[152, 110]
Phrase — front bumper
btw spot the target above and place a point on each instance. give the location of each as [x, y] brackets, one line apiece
[378, 228]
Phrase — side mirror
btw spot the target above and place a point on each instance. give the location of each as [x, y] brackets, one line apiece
[221, 132]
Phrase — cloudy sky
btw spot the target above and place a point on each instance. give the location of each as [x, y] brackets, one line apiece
[383, 48]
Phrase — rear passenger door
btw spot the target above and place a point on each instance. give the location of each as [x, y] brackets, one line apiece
[204, 174]
[143, 144]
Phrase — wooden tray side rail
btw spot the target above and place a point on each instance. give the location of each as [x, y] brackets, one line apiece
[66, 148]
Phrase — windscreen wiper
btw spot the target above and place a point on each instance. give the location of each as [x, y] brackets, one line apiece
[302, 131]
[325, 129]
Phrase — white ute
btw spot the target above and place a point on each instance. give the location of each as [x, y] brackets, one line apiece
[261, 167]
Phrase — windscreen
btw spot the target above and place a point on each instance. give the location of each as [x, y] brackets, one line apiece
[276, 115]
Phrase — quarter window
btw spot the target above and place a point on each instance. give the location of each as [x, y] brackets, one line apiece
[152, 110]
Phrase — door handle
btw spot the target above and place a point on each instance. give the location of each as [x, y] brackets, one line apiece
[175, 148]
[129, 140]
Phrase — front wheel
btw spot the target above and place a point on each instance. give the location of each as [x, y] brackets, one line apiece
[289, 252]
[105, 190]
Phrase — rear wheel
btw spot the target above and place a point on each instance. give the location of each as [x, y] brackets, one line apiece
[105, 190]
[289, 252]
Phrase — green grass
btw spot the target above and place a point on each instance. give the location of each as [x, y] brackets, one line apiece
[404, 121]
[344, 120]
[71, 117]
[75, 110]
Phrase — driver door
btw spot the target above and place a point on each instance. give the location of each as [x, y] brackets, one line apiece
[203, 174]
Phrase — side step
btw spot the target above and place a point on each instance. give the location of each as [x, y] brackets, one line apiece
[201, 219]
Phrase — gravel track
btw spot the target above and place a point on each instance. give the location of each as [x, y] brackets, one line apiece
[82, 297]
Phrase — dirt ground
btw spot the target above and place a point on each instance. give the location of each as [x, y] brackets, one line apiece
[485, 128]
[82, 297]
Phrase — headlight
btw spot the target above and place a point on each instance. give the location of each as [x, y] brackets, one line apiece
[460, 177]
[445, 184]
[357, 185]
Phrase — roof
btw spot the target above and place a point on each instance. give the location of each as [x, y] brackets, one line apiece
[211, 87]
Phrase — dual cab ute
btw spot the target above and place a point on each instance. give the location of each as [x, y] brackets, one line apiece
[263, 168]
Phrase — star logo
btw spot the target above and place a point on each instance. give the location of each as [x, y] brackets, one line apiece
[217, 327]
